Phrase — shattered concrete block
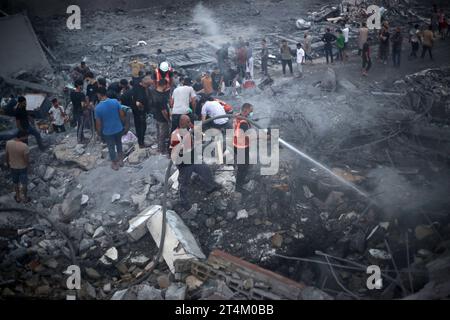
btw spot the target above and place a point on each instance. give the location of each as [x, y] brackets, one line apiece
[137, 228]
[328, 82]
[49, 173]
[242, 214]
[71, 206]
[137, 156]
[176, 291]
[179, 242]
[110, 255]
[118, 295]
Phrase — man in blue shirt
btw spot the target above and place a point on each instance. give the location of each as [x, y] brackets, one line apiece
[109, 119]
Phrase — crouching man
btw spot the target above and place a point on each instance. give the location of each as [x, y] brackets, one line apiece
[17, 159]
[182, 146]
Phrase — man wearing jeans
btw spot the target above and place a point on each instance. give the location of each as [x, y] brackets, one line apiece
[23, 121]
[109, 117]
[329, 38]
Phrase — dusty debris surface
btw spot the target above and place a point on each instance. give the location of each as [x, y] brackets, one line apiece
[387, 134]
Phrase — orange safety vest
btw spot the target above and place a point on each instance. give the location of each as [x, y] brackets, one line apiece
[240, 141]
[228, 108]
[167, 77]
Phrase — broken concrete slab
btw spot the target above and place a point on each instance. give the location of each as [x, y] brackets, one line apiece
[68, 156]
[179, 242]
[137, 226]
[20, 46]
[176, 291]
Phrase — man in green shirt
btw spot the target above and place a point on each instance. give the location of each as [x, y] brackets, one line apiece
[340, 44]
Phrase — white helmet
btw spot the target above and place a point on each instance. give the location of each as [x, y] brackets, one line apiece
[164, 66]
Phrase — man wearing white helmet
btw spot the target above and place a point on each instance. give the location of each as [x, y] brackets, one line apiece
[164, 71]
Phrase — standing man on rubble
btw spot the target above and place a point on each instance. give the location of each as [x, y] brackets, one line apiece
[249, 67]
[182, 154]
[78, 99]
[383, 38]
[109, 119]
[140, 108]
[222, 58]
[24, 121]
[362, 37]
[183, 97]
[307, 46]
[136, 67]
[241, 58]
[414, 39]
[397, 41]
[427, 42]
[264, 57]
[241, 143]
[17, 159]
[300, 59]
[57, 116]
[160, 101]
[329, 38]
[286, 57]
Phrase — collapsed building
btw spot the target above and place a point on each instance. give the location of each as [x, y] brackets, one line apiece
[300, 234]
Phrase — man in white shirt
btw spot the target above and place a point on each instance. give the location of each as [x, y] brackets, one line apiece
[345, 31]
[57, 116]
[211, 109]
[300, 59]
[183, 97]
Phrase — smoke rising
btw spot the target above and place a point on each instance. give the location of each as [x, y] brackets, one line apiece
[206, 20]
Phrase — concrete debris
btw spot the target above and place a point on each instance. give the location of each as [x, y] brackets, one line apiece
[111, 255]
[115, 197]
[84, 199]
[242, 214]
[379, 254]
[71, 206]
[328, 82]
[179, 242]
[137, 226]
[176, 291]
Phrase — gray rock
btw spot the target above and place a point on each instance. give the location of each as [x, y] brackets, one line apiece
[176, 291]
[146, 292]
[231, 215]
[92, 273]
[328, 82]
[71, 206]
[85, 244]
[210, 222]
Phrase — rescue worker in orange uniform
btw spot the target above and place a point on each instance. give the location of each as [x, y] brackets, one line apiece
[241, 143]
[164, 71]
[182, 154]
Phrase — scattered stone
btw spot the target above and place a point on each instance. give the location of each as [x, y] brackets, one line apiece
[163, 281]
[84, 199]
[379, 254]
[98, 232]
[110, 255]
[140, 260]
[137, 226]
[210, 222]
[107, 288]
[71, 206]
[115, 197]
[85, 244]
[89, 229]
[250, 186]
[231, 215]
[328, 82]
[92, 273]
[242, 214]
[176, 291]
[146, 292]
[193, 283]
[49, 173]
[277, 240]
[79, 149]
[137, 156]
[308, 194]
[423, 231]
[312, 293]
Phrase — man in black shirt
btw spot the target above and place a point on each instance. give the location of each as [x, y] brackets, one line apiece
[329, 38]
[115, 89]
[23, 121]
[217, 79]
[78, 106]
[160, 101]
[140, 107]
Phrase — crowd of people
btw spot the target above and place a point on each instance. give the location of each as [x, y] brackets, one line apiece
[175, 100]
